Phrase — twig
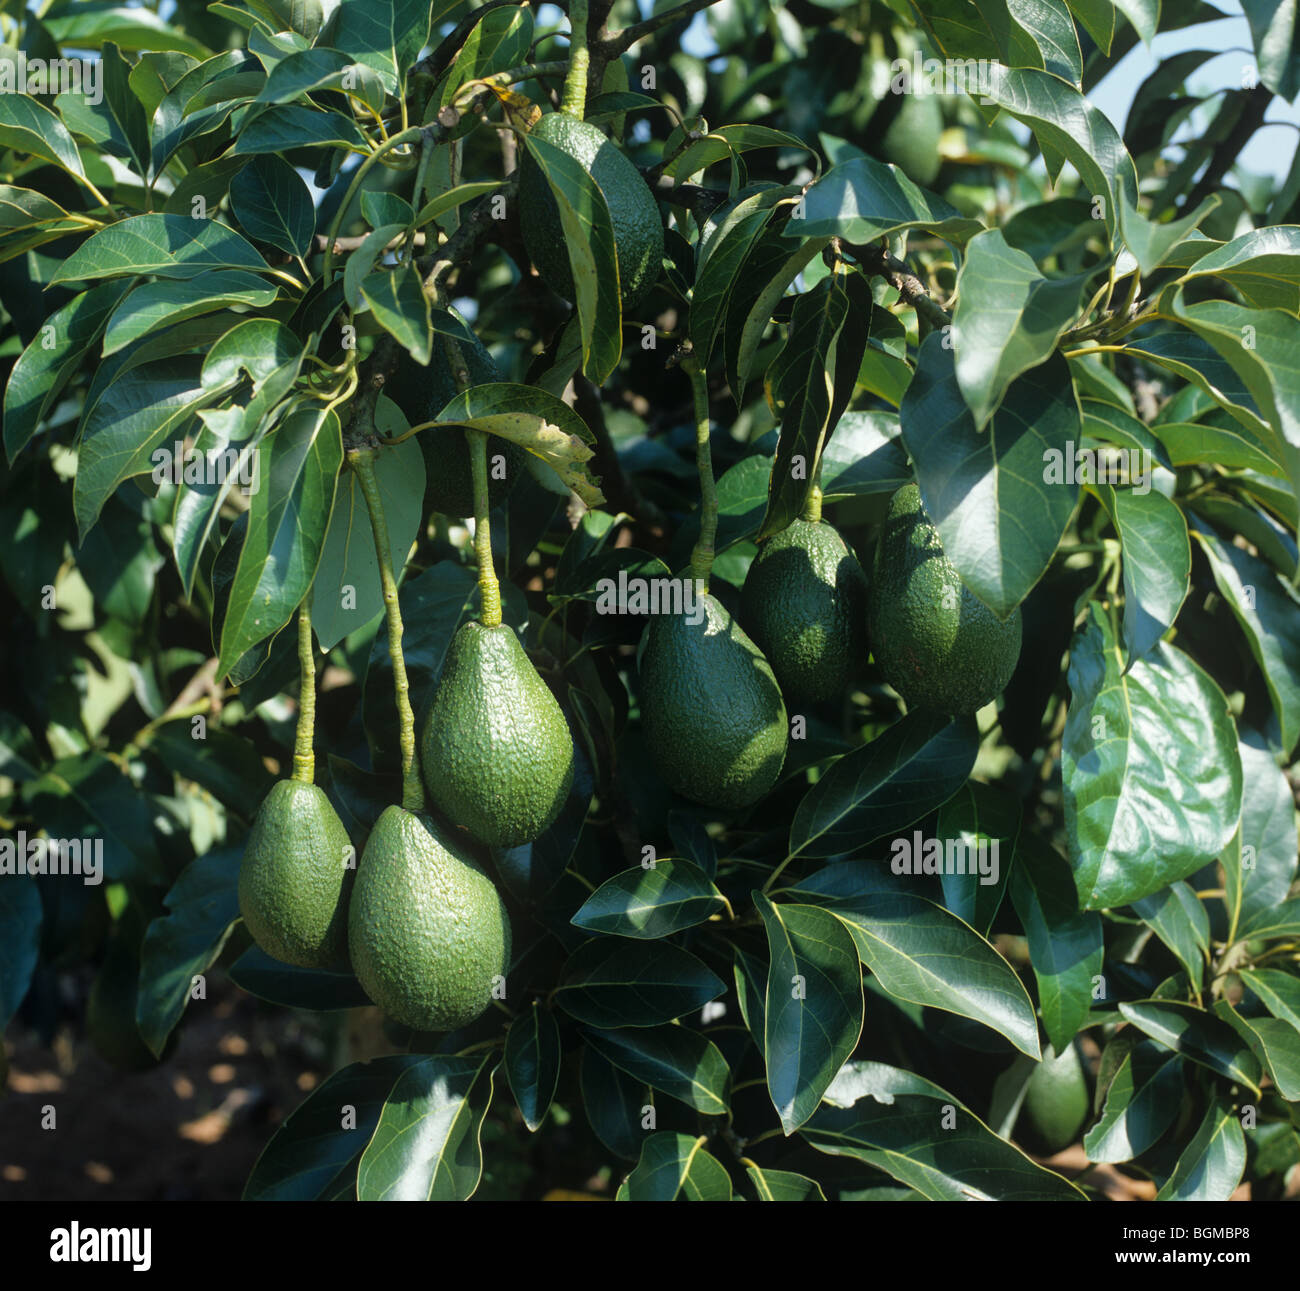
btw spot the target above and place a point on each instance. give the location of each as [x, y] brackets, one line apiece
[619, 42]
[697, 199]
[876, 260]
[1229, 149]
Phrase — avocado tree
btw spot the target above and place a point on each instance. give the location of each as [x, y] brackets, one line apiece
[741, 589]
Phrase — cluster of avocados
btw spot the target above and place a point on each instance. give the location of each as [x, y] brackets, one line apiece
[713, 696]
[419, 921]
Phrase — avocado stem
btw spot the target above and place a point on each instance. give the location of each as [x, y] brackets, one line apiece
[489, 588]
[812, 509]
[574, 99]
[362, 461]
[702, 553]
[304, 760]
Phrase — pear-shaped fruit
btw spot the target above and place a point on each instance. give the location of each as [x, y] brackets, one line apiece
[497, 754]
[1056, 1100]
[295, 877]
[427, 930]
[937, 643]
[713, 714]
[805, 604]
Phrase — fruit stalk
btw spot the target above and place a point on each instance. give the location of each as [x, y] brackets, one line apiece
[812, 509]
[304, 760]
[362, 461]
[489, 588]
[574, 99]
[702, 553]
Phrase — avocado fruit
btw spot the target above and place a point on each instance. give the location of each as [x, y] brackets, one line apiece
[937, 643]
[1056, 1101]
[496, 751]
[711, 708]
[294, 878]
[422, 393]
[633, 211]
[427, 930]
[805, 605]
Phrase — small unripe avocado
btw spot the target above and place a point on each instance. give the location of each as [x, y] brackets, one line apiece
[805, 605]
[496, 753]
[422, 393]
[1056, 1100]
[294, 878]
[633, 212]
[712, 712]
[936, 642]
[427, 930]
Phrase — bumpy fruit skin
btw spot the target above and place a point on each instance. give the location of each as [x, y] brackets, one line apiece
[496, 751]
[422, 393]
[805, 604]
[427, 928]
[294, 878]
[713, 714]
[638, 230]
[1056, 1100]
[938, 645]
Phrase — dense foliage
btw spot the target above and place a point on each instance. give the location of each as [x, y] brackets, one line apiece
[273, 227]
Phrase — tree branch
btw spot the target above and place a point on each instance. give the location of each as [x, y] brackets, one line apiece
[1229, 149]
[619, 42]
[876, 260]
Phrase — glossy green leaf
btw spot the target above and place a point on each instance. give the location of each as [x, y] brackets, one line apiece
[1277, 991]
[1065, 943]
[1212, 1163]
[921, 953]
[1284, 921]
[281, 129]
[615, 1104]
[291, 987]
[676, 1167]
[1263, 265]
[29, 127]
[1268, 610]
[168, 245]
[154, 305]
[1151, 243]
[589, 238]
[273, 204]
[1000, 498]
[612, 982]
[886, 785]
[1178, 918]
[679, 1062]
[499, 41]
[202, 907]
[426, 1144]
[1277, 50]
[386, 35]
[298, 469]
[1197, 1035]
[925, 1138]
[1157, 562]
[398, 301]
[1142, 1101]
[1008, 319]
[783, 1185]
[117, 123]
[863, 199]
[1274, 1041]
[812, 1005]
[54, 355]
[532, 1062]
[347, 592]
[1147, 797]
[985, 822]
[650, 902]
[314, 1154]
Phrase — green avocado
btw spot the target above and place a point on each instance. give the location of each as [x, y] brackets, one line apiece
[497, 754]
[427, 929]
[295, 877]
[711, 709]
[805, 604]
[937, 643]
[422, 393]
[633, 212]
[1056, 1100]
